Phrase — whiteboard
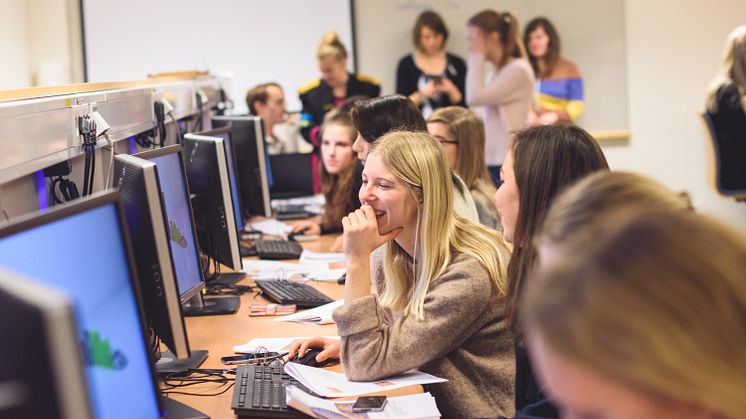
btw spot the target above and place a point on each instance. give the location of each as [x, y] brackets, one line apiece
[592, 34]
[256, 41]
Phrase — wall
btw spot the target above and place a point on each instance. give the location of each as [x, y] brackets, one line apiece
[673, 51]
[14, 45]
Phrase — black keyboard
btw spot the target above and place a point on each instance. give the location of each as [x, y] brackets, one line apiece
[277, 249]
[286, 292]
[260, 392]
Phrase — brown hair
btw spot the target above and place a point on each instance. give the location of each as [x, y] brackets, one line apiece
[553, 48]
[467, 128]
[657, 303]
[506, 26]
[259, 93]
[431, 20]
[546, 160]
[337, 188]
[331, 48]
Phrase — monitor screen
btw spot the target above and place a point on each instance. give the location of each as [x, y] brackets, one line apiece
[184, 252]
[82, 249]
[230, 156]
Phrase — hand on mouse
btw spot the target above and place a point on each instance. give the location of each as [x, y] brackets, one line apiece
[306, 227]
[330, 348]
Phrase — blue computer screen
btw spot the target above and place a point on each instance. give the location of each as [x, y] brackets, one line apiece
[180, 232]
[84, 255]
[232, 178]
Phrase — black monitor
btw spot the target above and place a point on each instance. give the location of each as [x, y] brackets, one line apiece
[255, 179]
[182, 235]
[82, 248]
[144, 208]
[207, 174]
[292, 175]
[43, 374]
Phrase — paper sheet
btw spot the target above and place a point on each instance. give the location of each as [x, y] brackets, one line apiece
[333, 384]
[413, 406]
[271, 227]
[271, 344]
[309, 257]
[317, 315]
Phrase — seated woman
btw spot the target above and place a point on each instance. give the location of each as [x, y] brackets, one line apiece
[647, 322]
[461, 131]
[559, 84]
[543, 161]
[338, 176]
[435, 276]
[430, 76]
[375, 117]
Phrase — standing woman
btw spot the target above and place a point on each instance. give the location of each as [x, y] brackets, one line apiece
[461, 132]
[542, 161]
[430, 76]
[319, 96]
[559, 85]
[507, 95]
[438, 287]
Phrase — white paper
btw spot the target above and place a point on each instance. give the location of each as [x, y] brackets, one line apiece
[413, 406]
[333, 384]
[317, 315]
[320, 257]
[270, 344]
[271, 227]
[268, 269]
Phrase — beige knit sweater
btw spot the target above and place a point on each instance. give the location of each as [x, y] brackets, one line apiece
[463, 338]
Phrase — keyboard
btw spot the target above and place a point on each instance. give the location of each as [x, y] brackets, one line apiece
[277, 249]
[286, 292]
[259, 392]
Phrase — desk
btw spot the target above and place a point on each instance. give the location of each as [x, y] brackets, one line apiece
[218, 334]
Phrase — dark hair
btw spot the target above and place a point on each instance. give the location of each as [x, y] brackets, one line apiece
[506, 25]
[432, 21]
[546, 160]
[553, 48]
[375, 117]
[260, 94]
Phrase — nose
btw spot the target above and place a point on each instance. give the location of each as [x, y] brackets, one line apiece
[366, 195]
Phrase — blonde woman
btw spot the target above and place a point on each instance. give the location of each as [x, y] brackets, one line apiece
[648, 322]
[439, 288]
[461, 132]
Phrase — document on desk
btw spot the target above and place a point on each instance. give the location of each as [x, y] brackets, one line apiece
[318, 315]
[270, 344]
[309, 257]
[269, 269]
[413, 406]
[271, 227]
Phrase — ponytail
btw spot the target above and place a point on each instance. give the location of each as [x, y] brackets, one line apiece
[506, 26]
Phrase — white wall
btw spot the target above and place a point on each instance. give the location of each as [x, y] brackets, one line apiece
[49, 42]
[13, 45]
[673, 51]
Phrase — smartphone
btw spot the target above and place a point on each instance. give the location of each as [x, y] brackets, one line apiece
[369, 404]
[249, 358]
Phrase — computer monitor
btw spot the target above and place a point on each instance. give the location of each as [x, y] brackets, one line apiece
[144, 209]
[182, 235]
[292, 175]
[207, 174]
[82, 248]
[253, 172]
[230, 158]
[43, 374]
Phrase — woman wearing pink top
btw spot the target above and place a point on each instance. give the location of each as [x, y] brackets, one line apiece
[507, 96]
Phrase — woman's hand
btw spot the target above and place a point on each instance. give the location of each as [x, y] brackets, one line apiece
[330, 348]
[429, 90]
[308, 227]
[446, 86]
[361, 235]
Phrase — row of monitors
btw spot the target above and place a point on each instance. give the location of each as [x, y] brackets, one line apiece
[83, 249]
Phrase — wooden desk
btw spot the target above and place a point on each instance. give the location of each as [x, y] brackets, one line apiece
[218, 334]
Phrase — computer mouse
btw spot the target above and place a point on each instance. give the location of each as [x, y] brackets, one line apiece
[309, 359]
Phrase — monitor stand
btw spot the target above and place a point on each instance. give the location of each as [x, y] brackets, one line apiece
[169, 364]
[177, 410]
[228, 278]
[201, 306]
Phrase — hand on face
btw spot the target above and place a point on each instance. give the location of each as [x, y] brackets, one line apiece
[476, 40]
[361, 236]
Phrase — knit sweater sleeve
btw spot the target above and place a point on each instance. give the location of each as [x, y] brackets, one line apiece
[373, 348]
[509, 84]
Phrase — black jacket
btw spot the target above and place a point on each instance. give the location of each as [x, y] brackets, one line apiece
[408, 78]
[530, 402]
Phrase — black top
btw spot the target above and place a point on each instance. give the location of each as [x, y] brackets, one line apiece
[357, 183]
[409, 77]
[729, 125]
[318, 99]
[530, 402]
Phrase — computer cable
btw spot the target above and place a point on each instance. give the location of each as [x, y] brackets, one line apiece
[171, 382]
[67, 188]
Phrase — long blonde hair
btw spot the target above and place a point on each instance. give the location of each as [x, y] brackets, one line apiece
[468, 129]
[418, 159]
[331, 48]
[657, 303]
[733, 68]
